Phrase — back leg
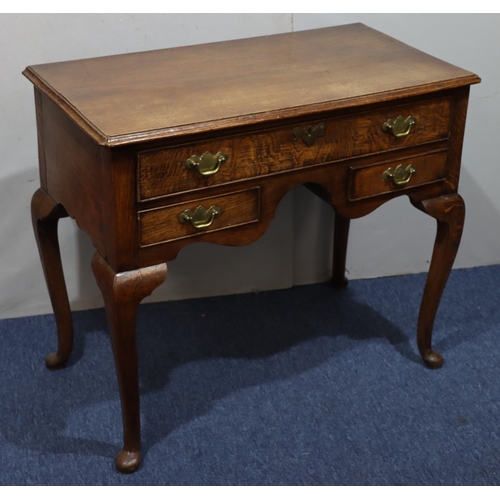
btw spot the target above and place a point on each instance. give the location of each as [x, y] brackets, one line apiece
[45, 214]
[340, 238]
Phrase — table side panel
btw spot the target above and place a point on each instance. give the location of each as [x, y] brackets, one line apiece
[76, 171]
[123, 254]
[457, 132]
[40, 140]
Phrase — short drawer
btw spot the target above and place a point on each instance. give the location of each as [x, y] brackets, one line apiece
[198, 216]
[164, 171]
[197, 165]
[396, 176]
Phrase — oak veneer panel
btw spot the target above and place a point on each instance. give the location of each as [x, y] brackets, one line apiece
[135, 97]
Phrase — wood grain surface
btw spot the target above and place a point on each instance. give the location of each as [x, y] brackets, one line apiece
[163, 93]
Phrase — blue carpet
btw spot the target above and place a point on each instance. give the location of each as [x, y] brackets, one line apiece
[308, 386]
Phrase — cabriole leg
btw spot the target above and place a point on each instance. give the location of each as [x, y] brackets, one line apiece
[122, 294]
[449, 211]
[45, 214]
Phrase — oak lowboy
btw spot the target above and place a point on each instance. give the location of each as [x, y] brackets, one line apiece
[152, 151]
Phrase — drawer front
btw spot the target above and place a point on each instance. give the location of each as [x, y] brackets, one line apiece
[162, 172]
[396, 176]
[186, 220]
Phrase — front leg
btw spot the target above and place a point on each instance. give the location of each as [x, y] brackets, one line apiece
[122, 294]
[449, 211]
[45, 214]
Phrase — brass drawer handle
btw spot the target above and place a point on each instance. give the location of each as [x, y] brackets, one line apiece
[201, 218]
[400, 176]
[207, 164]
[310, 134]
[400, 127]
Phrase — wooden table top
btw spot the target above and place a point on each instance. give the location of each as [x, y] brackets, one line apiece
[130, 98]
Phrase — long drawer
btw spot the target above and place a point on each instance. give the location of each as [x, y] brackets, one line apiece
[165, 171]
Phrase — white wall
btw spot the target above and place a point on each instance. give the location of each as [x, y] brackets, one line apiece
[396, 239]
